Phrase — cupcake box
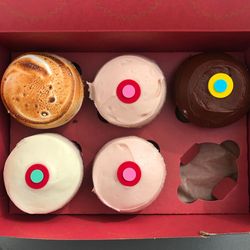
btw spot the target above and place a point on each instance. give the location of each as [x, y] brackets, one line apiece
[167, 33]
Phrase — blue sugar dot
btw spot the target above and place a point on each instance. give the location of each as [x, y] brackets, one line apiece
[220, 86]
[36, 176]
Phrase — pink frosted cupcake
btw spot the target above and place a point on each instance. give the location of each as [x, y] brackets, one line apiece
[129, 91]
[128, 174]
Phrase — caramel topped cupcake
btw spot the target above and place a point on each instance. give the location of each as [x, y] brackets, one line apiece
[42, 90]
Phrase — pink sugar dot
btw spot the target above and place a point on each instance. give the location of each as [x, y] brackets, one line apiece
[129, 174]
[128, 91]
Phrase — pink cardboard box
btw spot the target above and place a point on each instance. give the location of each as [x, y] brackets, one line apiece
[90, 33]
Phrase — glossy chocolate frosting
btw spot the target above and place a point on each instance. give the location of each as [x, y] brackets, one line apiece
[197, 104]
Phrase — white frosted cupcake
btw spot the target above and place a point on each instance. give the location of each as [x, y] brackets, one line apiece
[43, 173]
[128, 174]
[129, 91]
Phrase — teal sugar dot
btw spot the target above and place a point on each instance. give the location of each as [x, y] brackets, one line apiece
[220, 86]
[36, 176]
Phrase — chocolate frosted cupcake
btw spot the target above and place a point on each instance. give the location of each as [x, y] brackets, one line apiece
[212, 90]
[42, 90]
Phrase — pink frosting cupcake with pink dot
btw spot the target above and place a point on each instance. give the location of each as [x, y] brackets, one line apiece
[129, 91]
[128, 174]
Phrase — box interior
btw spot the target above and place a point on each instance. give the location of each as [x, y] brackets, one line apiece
[93, 220]
[91, 134]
